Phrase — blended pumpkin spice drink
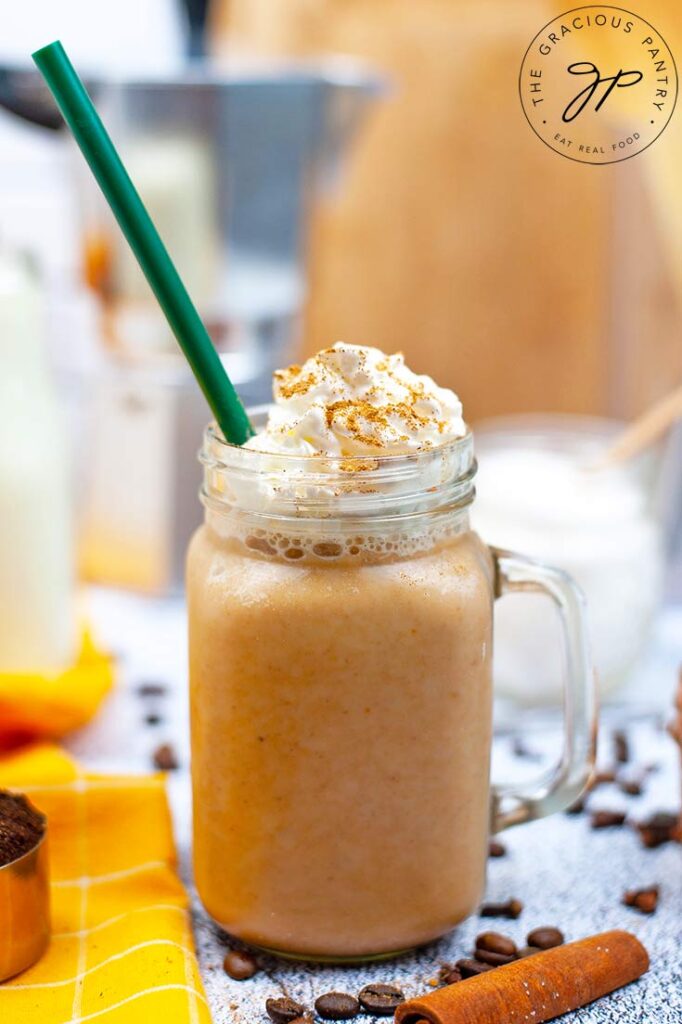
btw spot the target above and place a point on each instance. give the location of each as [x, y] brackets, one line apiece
[340, 664]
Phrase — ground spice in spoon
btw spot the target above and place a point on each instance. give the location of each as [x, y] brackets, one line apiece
[21, 826]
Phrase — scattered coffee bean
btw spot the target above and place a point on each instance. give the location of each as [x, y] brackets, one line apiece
[337, 1006]
[151, 690]
[469, 968]
[494, 959]
[511, 909]
[450, 975]
[165, 758]
[496, 848]
[607, 819]
[239, 965]
[621, 746]
[658, 829]
[644, 900]
[493, 942]
[381, 1000]
[283, 1010]
[631, 785]
[545, 938]
[528, 951]
[152, 719]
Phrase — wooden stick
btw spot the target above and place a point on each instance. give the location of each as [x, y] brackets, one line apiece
[537, 988]
[643, 431]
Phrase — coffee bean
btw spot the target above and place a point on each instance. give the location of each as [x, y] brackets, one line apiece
[151, 690]
[493, 942]
[511, 909]
[631, 785]
[283, 1010]
[381, 1000]
[644, 900]
[165, 758]
[658, 829]
[621, 746]
[607, 819]
[337, 1006]
[469, 968]
[494, 959]
[239, 965]
[496, 848]
[545, 938]
[528, 951]
[450, 975]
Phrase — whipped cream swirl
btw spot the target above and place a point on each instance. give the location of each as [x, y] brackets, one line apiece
[354, 400]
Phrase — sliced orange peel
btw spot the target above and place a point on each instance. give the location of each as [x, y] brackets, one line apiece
[38, 706]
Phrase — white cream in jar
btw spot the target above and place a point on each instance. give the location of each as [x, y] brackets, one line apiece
[537, 493]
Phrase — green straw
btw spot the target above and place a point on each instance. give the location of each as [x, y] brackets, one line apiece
[143, 238]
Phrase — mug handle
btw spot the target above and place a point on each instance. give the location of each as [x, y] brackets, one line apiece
[561, 785]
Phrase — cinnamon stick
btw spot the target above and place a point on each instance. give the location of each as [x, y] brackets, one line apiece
[537, 988]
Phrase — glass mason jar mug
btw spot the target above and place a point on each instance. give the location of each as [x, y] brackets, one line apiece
[340, 616]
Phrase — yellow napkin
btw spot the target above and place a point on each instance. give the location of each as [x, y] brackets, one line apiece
[34, 706]
[121, 950]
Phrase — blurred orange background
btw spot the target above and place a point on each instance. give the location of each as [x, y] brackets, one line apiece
[525, 281]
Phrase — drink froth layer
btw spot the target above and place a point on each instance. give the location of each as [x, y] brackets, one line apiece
[353, 452]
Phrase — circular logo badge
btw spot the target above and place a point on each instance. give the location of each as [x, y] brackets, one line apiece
[598, 84]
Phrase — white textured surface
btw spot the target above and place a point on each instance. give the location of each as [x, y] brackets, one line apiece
[564, 873]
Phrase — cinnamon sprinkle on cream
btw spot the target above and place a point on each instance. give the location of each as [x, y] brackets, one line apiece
[352, 400]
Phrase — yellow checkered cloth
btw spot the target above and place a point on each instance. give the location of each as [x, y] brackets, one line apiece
[121, 950]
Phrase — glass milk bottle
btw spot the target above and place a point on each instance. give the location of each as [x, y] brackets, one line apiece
[37, 626]
[340, 680]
